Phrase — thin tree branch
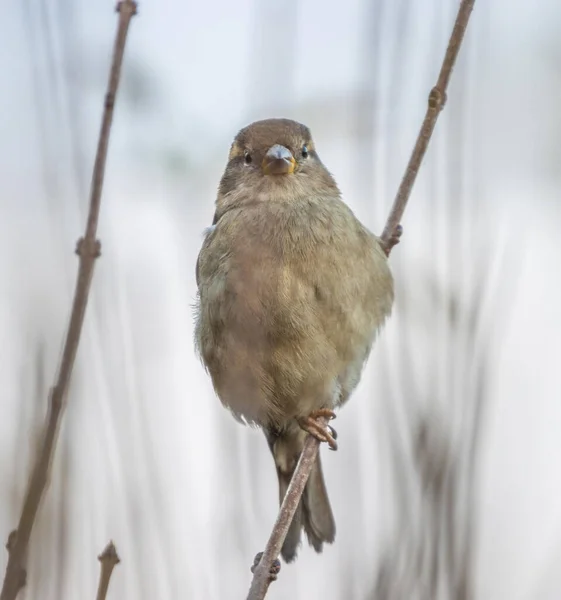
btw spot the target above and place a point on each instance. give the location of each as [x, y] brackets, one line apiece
[437, 99]
[263, 573]
[88, 249]
[109, 559]
[266, 570]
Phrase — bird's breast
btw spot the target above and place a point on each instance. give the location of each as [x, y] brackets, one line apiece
[292, 295]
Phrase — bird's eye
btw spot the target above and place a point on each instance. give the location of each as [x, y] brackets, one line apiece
[305, 152]
[247, 157]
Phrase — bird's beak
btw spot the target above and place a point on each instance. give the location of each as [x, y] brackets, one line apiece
[278, 161]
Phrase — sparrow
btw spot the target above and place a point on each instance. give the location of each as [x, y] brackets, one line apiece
[292, 291]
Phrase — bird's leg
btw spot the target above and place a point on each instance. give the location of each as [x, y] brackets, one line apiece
[321, 431]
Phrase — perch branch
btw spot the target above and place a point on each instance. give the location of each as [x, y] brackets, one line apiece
[262, 573]
[109, 559]
[88, 249]
[437, 99]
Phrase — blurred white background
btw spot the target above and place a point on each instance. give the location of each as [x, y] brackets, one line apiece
[447, 481]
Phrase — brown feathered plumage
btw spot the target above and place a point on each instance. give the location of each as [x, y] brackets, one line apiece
[292, 291]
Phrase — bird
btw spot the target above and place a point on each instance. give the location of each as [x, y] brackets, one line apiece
[292, 292]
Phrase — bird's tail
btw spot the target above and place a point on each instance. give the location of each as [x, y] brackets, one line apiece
[314, 513]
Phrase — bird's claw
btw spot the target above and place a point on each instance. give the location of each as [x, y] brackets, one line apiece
[321, 431]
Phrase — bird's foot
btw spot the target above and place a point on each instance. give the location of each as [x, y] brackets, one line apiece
[319, 429]
[273, 571]
[393, 239]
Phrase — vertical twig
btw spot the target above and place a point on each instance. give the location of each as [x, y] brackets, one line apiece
[109, 559]
[88, 249]
[437, 99]
[390, 236]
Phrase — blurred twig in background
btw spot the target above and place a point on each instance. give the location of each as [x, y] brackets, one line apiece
[88, 249]
[390, 236]
[433, 463]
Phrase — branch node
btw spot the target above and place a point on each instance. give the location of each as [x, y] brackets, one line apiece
[109, 559]
[392, 240]
[274, 570]
[20, 579]
[109, 555]
[12, 539]
[109, 101]
[437, 98]
[129, 5]
[86, 248]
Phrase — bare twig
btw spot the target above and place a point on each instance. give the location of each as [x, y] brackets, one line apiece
[109, 559]
[88, 249]
[262, 572]
[437, 99]
[389, 237]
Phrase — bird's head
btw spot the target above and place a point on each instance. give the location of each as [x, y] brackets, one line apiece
[272, 157]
